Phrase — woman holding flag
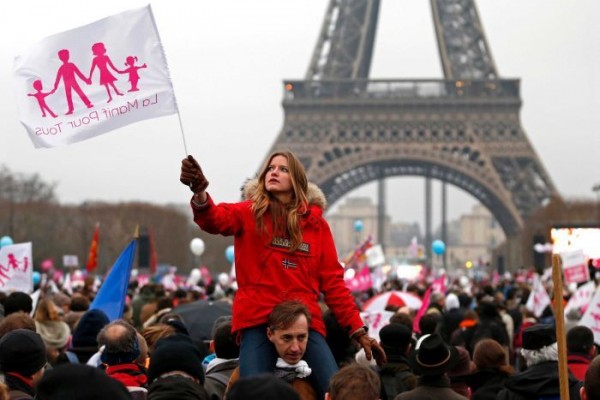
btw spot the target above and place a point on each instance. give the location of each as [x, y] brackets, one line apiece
[284, 250]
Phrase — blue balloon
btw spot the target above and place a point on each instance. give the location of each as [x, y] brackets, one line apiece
[438, 247]
[229, 253]
[6, 241]
[37, 277]
[358, 225]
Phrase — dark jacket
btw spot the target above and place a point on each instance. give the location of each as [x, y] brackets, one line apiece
[217, 377]
[431, 388]
[486, 383]
[539, 380]
[396, 377]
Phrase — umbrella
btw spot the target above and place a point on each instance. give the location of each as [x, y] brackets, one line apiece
[200, 316]
[394, 298]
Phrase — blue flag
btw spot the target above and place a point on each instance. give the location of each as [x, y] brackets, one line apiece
[112, 293]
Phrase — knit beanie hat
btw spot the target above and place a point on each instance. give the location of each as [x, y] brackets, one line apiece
[22, 351]
[175, 353]
[79, 382]
[176, 387]
[88, 327]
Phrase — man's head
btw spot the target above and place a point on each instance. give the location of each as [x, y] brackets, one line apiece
[120, 341]
[288, 330]
[395, 339]
[354, 382]
[591, 382]
[539, 344]
[224, 342]
[580, 339]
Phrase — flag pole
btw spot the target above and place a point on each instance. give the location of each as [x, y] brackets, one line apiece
[563, 373]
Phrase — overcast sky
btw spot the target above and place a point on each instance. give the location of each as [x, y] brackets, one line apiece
[228, 59]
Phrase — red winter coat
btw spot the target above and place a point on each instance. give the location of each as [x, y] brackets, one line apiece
[268, 274]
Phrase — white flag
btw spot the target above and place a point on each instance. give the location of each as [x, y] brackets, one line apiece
[82, 83]
[538, 298]
[16, 268]
[591, 317]
[582, 297]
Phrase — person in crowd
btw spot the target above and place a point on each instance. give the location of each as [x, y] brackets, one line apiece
[220, 368]
[121, 350]
[175, 370]
[154, 333]
[354, 382]
[453, 315]
[540, 379]
[492, 370]
[580, 350]
[396, 374]
[437, 302]
[22, 361]
[288, 331]
[16, 320]
[432, 360]
[262, 386]
[284, 250]
[17, 301]
[461, 372]
[342, 346]
[79, 382]
[79, 305]
[62, 302]
[84, 343]
[489, 326]
[53, 330]
[591, 383]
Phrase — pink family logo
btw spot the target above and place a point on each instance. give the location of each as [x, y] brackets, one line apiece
[70, 74]
[14, 264]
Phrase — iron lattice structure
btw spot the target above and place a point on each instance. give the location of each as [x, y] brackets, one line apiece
[464, 129]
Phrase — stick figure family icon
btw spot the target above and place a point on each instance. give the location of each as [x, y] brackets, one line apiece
[70, 75]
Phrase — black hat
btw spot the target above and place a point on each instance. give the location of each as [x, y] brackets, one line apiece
[264, 387]
[395, 338]
[22, 351]
[88, 327]
[176, 387]
[433, 356]
[175, 353]
[79, 381]
[537, 336]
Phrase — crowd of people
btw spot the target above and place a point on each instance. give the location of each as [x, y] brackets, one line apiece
[295, 330]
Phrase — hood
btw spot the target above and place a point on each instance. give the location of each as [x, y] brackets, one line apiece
[314, 194]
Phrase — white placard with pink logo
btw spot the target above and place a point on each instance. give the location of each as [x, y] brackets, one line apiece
[93, 79]
[16, 268]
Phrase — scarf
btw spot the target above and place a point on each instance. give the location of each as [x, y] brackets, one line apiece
[289, 372]
[128, 374]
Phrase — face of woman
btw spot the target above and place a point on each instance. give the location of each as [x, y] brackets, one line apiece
[278, 180]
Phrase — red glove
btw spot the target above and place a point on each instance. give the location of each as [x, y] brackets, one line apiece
[192, 176]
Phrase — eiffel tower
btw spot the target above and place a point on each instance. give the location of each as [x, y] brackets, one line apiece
[463, 130]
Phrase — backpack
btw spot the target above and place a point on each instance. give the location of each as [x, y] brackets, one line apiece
[393, 385]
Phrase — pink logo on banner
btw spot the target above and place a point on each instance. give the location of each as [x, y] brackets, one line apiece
[361, 281]
[70, 75]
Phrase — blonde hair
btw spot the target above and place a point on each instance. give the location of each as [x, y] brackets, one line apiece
[285, 216]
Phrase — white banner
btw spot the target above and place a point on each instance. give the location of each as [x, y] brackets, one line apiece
[16, 268]
[591, 318]
[582, 297]
[575, 266]
[538, 298]
[90, 80]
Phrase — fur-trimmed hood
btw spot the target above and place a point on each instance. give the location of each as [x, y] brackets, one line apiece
[314, 194]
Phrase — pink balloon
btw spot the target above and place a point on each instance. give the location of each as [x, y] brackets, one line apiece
[47, 264]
